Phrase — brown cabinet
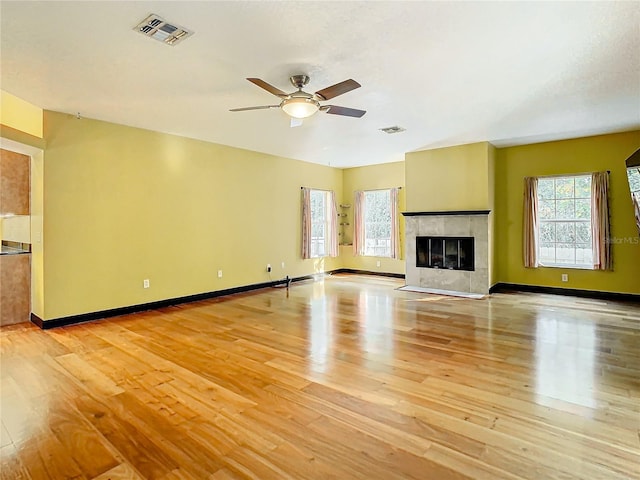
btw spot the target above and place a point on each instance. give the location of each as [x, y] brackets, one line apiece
[15, 288]
[15, 268]
[14, 183]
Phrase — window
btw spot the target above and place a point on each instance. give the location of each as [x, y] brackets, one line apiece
[320, 216]
[319, 223]
[633, 175]
[377, 223]
[376, 230]
[565, 231]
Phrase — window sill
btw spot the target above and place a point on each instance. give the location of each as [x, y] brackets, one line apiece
[566, 266]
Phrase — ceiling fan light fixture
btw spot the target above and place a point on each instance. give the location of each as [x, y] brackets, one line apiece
[297, 107]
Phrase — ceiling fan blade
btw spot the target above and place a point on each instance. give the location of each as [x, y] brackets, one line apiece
[338, 89]
[347, 112]
[244, 109]
[269, 88]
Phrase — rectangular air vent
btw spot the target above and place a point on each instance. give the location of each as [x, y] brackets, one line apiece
[156, 27]
[395, 129]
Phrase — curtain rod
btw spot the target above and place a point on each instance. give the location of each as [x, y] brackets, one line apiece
[369, 190]
[319, 189]
[569, 174]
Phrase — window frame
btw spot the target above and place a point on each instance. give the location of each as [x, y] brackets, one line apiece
[556, 220]
[324, 223]
[388, 250]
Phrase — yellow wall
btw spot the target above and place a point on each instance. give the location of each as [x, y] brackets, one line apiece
[373, 177]
[492, 153]
[37, 239]
[125, 204]
[605, 152]
[20, 115]
[445, 179]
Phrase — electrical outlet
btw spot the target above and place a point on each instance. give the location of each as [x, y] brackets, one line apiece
[145, 283]
[378, 263]
[565, 277]
[219, 273]
[282, 265]
[268, 267]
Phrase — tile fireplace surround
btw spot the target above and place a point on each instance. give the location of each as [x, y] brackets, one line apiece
[455, 224]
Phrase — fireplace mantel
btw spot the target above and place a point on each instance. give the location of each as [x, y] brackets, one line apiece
[447, 212]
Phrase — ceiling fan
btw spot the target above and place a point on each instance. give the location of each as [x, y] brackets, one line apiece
[301, 104]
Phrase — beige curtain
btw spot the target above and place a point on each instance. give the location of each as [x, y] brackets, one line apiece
[600, 221]
[395, 223]
[358, 223]
[332, 232]
[530, 222]
[306, 222]
[635, 197]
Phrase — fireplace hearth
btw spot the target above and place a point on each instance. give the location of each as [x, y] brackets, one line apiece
[451, 253]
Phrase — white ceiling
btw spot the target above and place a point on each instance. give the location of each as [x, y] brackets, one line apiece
[448, 72]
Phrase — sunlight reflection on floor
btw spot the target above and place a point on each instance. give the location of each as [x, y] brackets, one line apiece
[565, 353]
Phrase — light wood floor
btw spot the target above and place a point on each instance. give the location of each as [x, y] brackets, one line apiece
[342, 379]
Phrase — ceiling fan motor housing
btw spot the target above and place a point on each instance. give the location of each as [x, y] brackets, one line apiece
[299, 81]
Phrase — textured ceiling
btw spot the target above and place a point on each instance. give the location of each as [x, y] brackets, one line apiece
[448, 72]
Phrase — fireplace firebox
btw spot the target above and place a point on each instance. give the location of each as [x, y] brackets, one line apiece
[451, 253]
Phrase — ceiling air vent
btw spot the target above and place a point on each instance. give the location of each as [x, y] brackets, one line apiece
[156, 27]
[395, 129]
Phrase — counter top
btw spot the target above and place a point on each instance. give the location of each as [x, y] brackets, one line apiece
[4, 250]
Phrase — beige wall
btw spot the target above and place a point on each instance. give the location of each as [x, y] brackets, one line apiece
[19, 115]
[445, 179]
[373, 177]
[124, 204]
[598, 153]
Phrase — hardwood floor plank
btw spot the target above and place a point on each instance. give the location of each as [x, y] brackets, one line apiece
[119, 472]
[578, 418]
[251, 465]
[385, 455]
[412, 443]
[224, 474]
[45, 457]
[11, 467]
[412, 423]
[79, 439]
[139, 450]
[474, 468]
[187, 453]
[93, 379]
